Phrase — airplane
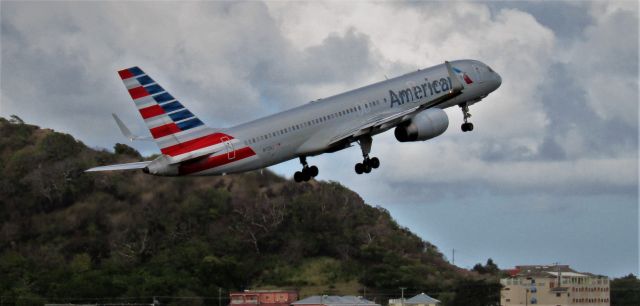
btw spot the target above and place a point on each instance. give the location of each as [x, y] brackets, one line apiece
[411, 104]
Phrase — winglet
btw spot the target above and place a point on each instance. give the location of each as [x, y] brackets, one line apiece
[457, 86]
[125, 131]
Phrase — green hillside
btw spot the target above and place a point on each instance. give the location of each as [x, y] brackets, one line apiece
[68, 234]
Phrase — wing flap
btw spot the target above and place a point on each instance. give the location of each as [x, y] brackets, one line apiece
[129, 166]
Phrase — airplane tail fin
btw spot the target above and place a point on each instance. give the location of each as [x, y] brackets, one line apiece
[173, 127]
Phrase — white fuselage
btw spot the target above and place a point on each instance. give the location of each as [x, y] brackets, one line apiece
[307, 130]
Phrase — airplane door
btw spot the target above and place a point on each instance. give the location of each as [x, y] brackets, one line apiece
[478, 73]
[231, 153]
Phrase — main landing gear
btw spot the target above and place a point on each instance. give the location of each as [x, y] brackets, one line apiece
[368, 163]
[466, 126]
[307, 172]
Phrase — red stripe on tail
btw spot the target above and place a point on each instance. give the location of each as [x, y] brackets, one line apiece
[164, 130]
[151, 111]
[138, 92]
[125, 74]
[194, 144]
[214, 161]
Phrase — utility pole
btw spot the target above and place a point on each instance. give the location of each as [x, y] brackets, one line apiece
[559, 274]
[402, 295]
[453, 256]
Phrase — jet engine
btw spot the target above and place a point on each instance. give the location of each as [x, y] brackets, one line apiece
[161, 166]
[425, 125]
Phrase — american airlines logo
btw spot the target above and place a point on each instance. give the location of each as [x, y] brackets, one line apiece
[464, 75]
[415, 93]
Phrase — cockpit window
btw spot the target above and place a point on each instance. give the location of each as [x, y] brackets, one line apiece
[491, 70]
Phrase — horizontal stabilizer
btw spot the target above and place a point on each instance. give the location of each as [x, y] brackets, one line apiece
[129, 166]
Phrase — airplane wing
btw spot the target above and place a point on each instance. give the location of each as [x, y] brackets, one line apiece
[129, 166]
[386, 121]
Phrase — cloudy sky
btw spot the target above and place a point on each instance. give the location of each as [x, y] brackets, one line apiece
[550, 173]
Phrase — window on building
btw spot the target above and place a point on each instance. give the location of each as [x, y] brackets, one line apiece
[237, 299]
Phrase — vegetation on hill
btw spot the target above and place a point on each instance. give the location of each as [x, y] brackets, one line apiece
[625, 291]
[67, 235]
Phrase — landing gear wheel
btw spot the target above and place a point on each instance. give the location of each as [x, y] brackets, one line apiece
[307, 172]
[367, 163]
[466, 126]
[313, 171]
[374, 162]
[305, 176]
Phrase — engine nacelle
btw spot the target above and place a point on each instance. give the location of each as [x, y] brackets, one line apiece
[425, 125]
[162, 167]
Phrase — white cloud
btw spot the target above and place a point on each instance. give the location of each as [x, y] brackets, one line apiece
[606, 61]
[230, 62]
[512, 119]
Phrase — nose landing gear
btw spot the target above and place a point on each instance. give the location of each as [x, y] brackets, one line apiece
[466, 126]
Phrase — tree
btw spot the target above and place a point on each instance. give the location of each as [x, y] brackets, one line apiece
[625, 291]
[476, 293]
[16, 120]
[124, 149]
[489, 268]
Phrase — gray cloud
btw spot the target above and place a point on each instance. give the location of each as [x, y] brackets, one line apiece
[567, 19]
[563, 127]
[233, 62]
[228, 63]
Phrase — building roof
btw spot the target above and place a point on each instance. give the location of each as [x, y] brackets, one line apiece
[567, 274]
[335, 300]
[421, 299]
[546, 271]
[265, 291]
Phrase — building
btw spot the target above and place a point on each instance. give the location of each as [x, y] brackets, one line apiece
[553, 285]
[334, 300]
[263, 298]
[418, 300]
